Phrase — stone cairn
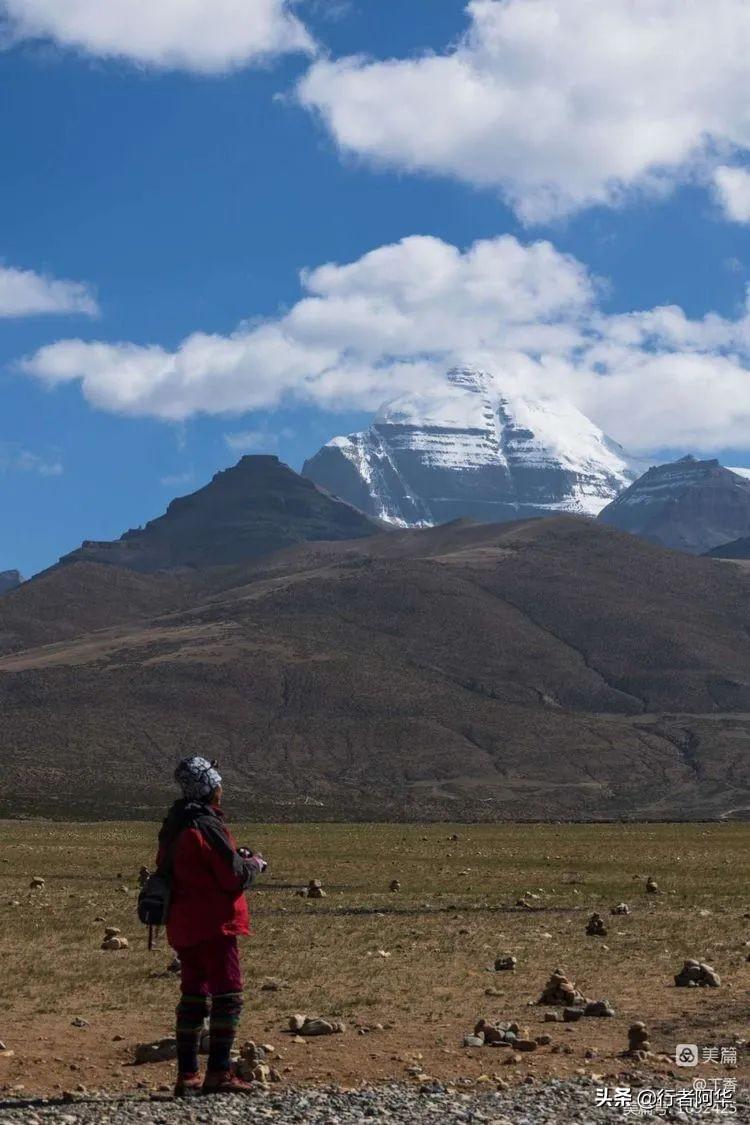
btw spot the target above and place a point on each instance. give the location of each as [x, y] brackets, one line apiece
[638, 1043]
[620, 908]
[314, 889]
[253, 1066]
[697, 974]
[560, 991]
[113, 939]
[595, 926]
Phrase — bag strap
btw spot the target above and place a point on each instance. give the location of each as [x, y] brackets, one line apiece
[164, 869]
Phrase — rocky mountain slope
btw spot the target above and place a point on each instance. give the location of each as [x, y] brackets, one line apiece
[738, 549]
[551, 668]
[472, 449]
[258, 506]
[9, 579]
[688, 505]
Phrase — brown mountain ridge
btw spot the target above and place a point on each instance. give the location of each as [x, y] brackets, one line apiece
[553, 668]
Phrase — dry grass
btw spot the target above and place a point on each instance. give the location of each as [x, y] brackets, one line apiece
[456, 912]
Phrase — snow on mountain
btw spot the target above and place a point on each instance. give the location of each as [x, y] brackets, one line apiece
[472, 448]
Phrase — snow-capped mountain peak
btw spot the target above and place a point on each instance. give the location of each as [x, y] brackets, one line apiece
[472, 447]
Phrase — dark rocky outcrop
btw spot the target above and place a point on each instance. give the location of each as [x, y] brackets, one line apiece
[688, 505]
[9, 579]
[258, 506]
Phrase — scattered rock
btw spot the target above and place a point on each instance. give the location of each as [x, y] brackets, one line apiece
[273, 984]
[598, 1008]
[572, 1015]
[115, 943]
[560, 991]
[595, 926]
[161, 1051]
[79, 1022]
[504, 964]
[526, 1044]
[112, 931]
[697, 974]
[473, 1040]
[652, 887]
[394, 885]
[174, 965]
[143, 876]
[37, 883]
[544, 1040]
[621, 908]
[306, 1026]
[552, 1017]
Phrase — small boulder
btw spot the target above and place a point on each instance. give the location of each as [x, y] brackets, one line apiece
[601, 1008]
[37, 883]
[652, 887]
[394, 885]
[506, 964]
[473, 1041]
[163, 1050]
[315, 889]
[620, 908]
[572, 1015]
[697, 974]
[595, 926]
[114, 943]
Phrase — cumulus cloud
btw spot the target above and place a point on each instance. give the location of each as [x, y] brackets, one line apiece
[559, 104]
[25, 293]
[732, 186]
[206, 36]
[399, 316]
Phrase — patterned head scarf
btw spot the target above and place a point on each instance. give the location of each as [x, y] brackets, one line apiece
[197, 777]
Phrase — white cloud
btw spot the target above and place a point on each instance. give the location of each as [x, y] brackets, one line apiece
[25, 293]
[15, 459]
[207, 36]
[559, 104]
[732, 187]
[397, 317]
[250, 441]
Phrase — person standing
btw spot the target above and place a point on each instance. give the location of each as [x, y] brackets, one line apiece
[208, 876]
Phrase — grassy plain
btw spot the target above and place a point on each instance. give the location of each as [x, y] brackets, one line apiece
[456, 911]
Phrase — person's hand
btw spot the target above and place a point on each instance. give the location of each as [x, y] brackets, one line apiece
[253, 859]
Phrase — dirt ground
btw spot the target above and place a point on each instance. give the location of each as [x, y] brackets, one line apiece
[407, 971]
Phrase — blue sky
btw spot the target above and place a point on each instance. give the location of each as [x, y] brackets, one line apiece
[184, 201]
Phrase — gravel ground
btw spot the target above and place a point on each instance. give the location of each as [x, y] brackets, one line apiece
[551, 1103]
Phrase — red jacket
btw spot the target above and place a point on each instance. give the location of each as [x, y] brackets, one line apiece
[208, 877]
